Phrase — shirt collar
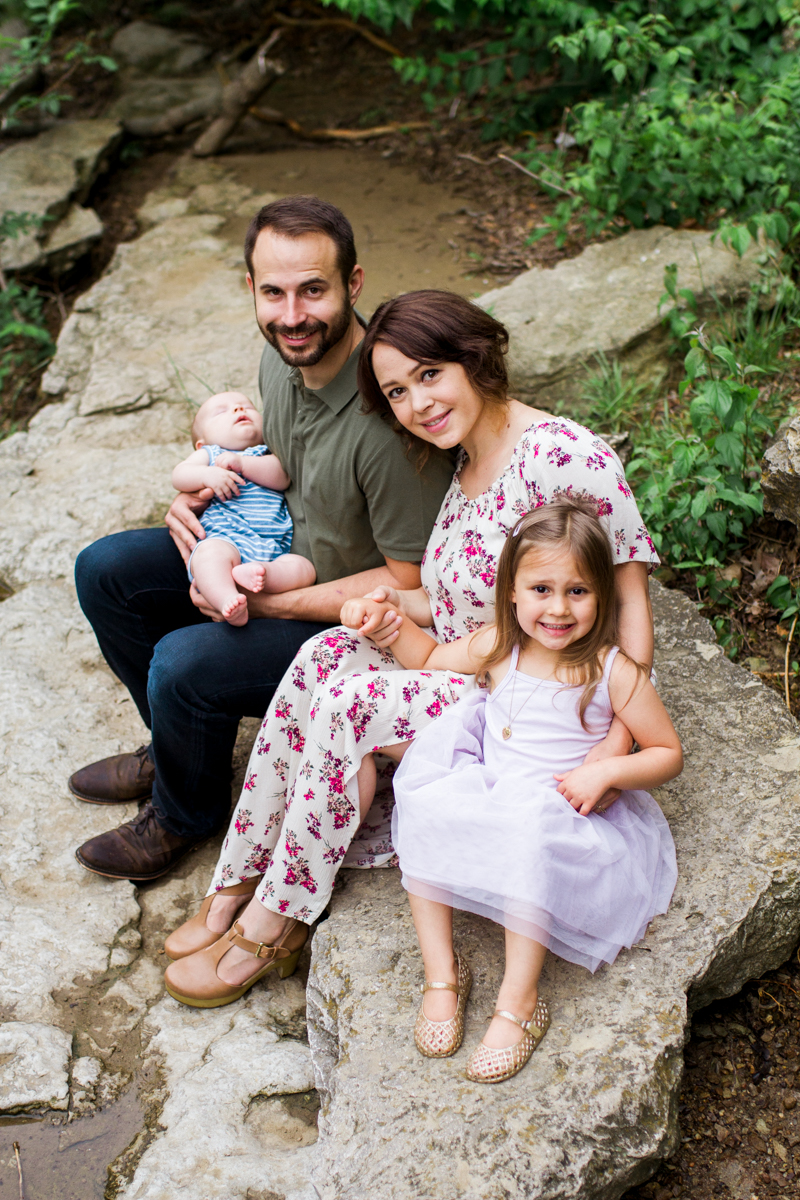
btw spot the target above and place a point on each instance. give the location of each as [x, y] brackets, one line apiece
[341, 389]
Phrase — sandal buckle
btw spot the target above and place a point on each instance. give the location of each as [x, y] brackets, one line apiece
[261, 946]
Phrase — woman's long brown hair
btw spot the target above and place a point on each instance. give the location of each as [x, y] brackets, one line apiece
[571, 525]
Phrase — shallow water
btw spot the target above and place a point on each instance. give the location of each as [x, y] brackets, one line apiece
[64, 1160]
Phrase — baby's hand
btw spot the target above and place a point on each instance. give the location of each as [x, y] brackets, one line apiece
[230, 460]
[224, 483]
[583, 787]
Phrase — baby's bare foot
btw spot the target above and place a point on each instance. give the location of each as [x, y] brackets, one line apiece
[250, 575]
[235, 611]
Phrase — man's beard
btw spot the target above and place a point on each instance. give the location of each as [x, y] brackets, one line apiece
[309, 356]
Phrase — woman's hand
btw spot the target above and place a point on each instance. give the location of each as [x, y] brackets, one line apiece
[616, 744]
[584, 787]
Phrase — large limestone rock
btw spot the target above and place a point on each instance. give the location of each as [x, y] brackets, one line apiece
[780, 479]
[171, 319]
[161, 69]
[607, 301]
[33, 1066]
[150, 48]
[596, 1108]
[48, 177]
[81, 986]
[224, 1137]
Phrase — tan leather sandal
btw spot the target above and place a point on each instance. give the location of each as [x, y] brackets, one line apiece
[194, 980]
[194, 934]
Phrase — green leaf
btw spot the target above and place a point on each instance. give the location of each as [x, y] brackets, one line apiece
[695, 363]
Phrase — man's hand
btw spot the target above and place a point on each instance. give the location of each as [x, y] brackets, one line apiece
[585, 788]
[182, 520]
[199, 601]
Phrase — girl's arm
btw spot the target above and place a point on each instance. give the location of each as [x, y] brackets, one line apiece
[636, 702]
[263, 469]
[635, 637]
[413, 648]
[195, 473]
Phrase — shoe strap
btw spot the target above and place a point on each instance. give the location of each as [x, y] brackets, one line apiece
[258, 949]
[509, 1016]
[444, 987]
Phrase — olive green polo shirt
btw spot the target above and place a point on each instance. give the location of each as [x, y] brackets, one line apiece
[356, 497]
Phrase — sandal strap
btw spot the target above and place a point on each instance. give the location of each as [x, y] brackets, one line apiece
[509, 1016]
[257, 949]
[445, 987]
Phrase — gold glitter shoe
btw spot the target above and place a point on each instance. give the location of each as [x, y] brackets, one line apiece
[440, 1039]
[487, 1065]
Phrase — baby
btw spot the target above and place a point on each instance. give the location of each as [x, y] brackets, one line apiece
[247, 524]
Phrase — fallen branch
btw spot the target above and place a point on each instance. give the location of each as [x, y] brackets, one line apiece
[341, 23]
[173, 120]
[786, 664]
[271, 116]
[239, 96]
[538, 178]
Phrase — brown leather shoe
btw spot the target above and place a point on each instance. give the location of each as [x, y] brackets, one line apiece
[194, 980]
[194, 934]
[121, 779]
[138, 850]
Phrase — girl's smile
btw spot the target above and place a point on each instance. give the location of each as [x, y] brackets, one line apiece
[555, 604]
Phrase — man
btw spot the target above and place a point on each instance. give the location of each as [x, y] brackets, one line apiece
[361, 512]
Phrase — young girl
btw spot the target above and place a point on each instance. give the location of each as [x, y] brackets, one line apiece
[495, 813]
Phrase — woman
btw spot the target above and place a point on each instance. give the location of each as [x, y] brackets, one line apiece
[434, 364]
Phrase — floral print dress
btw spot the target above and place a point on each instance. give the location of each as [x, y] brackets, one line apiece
[297, 820]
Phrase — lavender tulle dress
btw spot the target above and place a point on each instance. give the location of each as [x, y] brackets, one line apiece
[479, 825]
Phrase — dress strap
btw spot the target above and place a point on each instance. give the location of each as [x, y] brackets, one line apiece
[514, 659]
[612, 654]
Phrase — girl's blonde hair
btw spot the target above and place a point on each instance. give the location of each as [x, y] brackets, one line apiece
[571, 525]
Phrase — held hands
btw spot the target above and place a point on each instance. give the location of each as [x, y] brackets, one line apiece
[376, 616]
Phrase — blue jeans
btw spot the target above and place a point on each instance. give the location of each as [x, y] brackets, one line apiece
[191, 678]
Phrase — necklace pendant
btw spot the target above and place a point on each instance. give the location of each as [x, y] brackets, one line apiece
[506, 733]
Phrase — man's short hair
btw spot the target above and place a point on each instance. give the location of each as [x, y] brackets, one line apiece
[294, 216]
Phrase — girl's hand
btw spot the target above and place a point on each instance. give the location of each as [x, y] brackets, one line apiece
[230, 460]
[584, 787]
[377, 621]
[224, 484]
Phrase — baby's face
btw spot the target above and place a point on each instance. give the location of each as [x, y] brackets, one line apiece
[228, 420]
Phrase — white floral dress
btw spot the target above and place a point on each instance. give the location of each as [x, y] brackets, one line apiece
[297, 818]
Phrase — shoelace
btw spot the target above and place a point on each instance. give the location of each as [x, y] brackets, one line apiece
[146, 815]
